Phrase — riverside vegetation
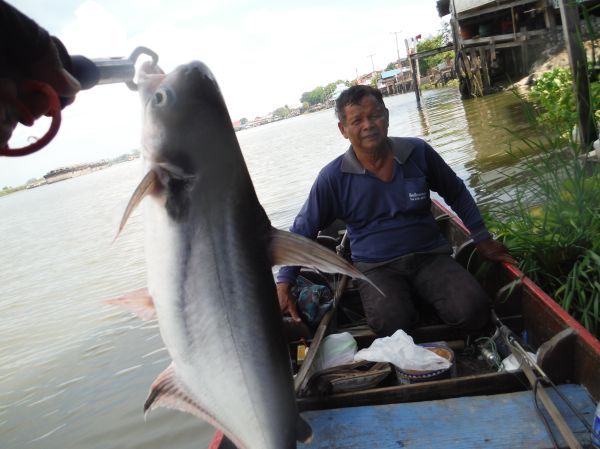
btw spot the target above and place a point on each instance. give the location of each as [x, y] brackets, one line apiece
[551, 222]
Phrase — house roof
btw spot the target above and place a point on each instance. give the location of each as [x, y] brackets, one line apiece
[390, 73]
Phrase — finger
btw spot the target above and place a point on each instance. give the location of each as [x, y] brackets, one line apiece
[8, 123]
[65, 84]
[49, 69]
[13, 109]
[293, 311]
[36, 102]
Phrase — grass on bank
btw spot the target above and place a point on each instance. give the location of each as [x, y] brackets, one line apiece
[552, 222]
[552, 226]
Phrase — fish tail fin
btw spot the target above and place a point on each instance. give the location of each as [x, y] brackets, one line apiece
[304, 432]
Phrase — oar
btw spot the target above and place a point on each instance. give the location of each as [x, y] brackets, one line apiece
[528, 365]
[301, 377]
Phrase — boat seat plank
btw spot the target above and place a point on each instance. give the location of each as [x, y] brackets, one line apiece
[491, 422]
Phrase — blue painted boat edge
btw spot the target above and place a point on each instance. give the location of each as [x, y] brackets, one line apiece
[493, 422]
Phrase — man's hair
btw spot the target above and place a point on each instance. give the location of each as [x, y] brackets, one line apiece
[354, 95]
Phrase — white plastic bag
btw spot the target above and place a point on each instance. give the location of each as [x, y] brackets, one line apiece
[510, 364]
[335, 350]
[401, 351]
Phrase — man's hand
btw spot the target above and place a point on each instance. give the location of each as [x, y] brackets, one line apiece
[18, 106]
[286, 301]
[494, 251]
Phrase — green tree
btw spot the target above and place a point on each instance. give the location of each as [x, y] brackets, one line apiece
[243, 121]
[313, 97]
[282, 112]
[391, 66]
[446, 33]
[425, 64]
[320, 94]
[376, 78]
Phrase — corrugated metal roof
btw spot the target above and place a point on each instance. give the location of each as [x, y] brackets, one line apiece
[390, 73]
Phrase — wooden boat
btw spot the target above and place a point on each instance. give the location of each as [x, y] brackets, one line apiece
[473, 405]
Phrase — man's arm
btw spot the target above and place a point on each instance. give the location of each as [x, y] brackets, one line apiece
[316, 214]
[445, 182]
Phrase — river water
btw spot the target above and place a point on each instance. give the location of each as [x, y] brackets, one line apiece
[75, 372]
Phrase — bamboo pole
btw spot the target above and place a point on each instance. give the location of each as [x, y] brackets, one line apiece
[569, 13]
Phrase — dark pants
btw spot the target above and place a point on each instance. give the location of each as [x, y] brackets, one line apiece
[436, 279]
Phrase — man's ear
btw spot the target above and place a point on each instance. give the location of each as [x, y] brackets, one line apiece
[342, 129]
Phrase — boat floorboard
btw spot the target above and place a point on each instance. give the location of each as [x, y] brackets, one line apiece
[491, 422]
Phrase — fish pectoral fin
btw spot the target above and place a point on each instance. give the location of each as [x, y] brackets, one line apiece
[148, 184]
[139, 302]
[304, 432]
[167, 391]
[288, 248]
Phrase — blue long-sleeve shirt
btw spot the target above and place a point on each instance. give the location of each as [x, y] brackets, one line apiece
[386, 220]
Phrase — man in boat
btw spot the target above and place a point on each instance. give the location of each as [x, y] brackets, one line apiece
[380, 188]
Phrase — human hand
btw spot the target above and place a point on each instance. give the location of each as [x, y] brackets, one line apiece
[286, 301]
[26, 105]
[494, 251]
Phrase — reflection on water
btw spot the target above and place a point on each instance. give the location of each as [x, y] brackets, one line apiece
[75, 372]
[474, 136]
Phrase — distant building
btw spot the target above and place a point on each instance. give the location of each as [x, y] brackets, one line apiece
[497, 41]
[366, 79]
[395, 81]
[62, 173]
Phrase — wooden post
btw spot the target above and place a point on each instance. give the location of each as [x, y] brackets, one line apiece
[413, 72]
[484, 68]
[569, 14]
[524, 50]
[549, 19]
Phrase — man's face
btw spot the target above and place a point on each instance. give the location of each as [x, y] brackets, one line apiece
[365, 124]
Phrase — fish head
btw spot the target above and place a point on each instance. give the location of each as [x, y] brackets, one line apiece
[184, 114]
[188, 140]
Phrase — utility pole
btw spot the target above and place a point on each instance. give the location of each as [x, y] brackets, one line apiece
[396, 33]
[413, 72]
[372, 63]
[569, 14]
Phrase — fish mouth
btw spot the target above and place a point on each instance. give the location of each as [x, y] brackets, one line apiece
[150, 68]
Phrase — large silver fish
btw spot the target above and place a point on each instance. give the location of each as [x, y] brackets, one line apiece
[209, 249]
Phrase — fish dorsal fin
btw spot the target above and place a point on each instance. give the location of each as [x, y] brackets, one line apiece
[139, 302]
[288, 248]
[303, 431]
[145, 187]
[167, 391]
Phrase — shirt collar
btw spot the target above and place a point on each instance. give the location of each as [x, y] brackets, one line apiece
[402, 148]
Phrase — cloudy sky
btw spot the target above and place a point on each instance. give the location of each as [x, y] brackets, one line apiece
[264, 53]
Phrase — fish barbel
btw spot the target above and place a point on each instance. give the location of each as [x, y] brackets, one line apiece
[209, 251]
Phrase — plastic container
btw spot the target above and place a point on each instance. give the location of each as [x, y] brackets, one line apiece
[596, 429]
[413, 376]
[335, 350]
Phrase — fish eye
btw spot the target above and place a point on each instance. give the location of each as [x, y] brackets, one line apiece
[163, 97]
